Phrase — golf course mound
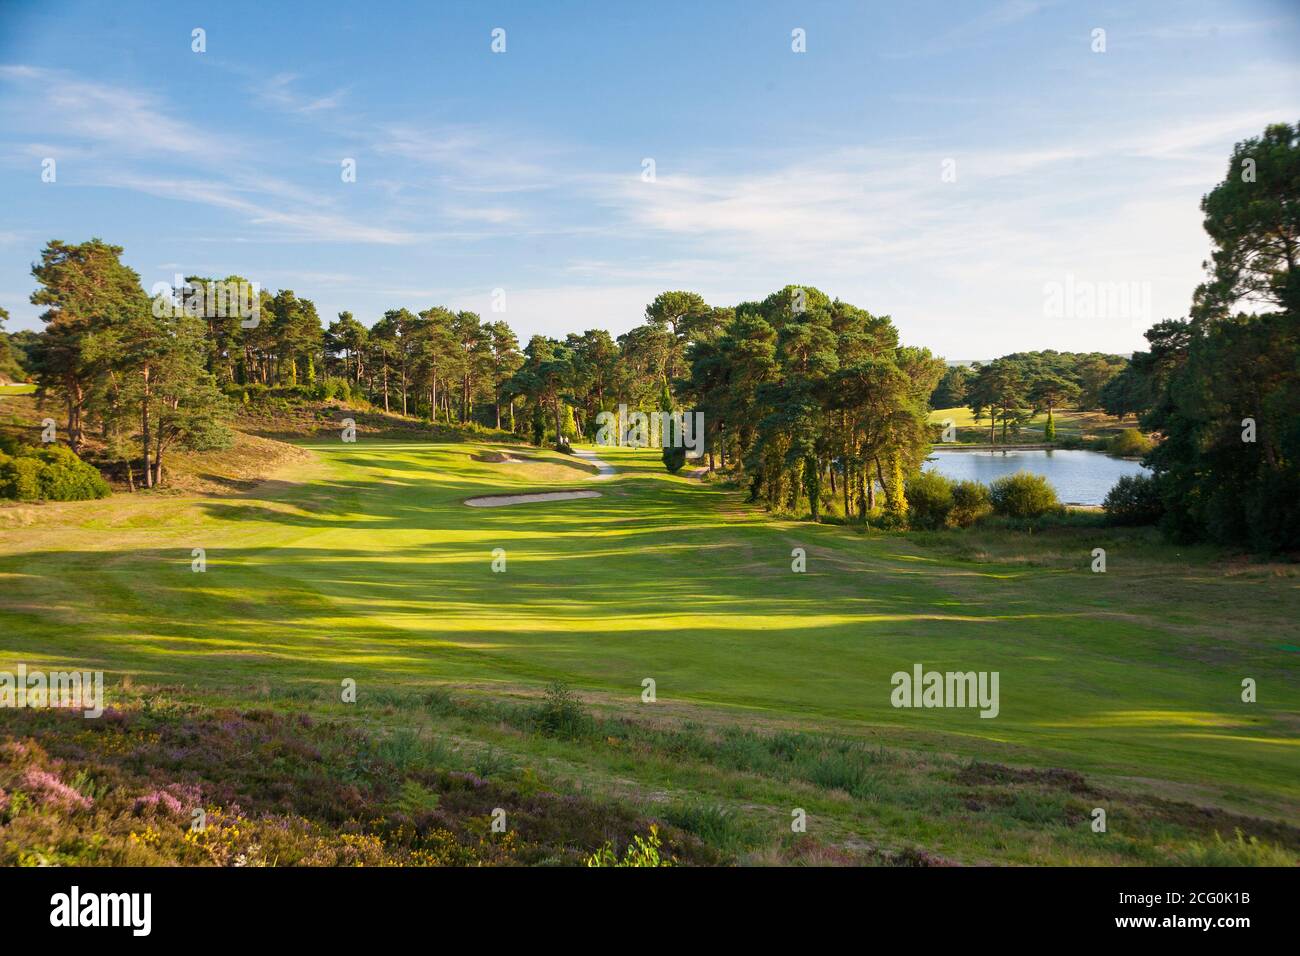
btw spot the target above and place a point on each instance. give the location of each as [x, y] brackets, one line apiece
[496, 501]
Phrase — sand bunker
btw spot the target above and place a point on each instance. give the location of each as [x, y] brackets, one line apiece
[500, 457]
[496, 501]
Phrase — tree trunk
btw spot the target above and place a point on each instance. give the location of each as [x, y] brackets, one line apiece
[884, 486]
[848, 511]
[157, 459]
[144, 429]
[74, 417]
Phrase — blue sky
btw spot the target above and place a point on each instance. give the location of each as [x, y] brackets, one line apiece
[522, 171]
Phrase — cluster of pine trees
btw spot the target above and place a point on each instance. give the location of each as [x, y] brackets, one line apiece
[139, 377]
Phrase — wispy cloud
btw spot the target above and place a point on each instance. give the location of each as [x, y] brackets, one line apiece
[279, 92]
[132, 140]
[127, 121]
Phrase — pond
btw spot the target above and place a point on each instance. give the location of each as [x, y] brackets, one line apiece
[1079, 477]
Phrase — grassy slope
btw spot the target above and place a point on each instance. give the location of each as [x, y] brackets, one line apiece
[367, 566]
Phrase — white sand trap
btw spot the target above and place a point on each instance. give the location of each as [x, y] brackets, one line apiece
[496, 501]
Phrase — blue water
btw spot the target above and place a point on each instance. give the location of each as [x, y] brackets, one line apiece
[1079, 477]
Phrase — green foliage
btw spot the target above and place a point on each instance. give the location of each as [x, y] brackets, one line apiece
[951, 390]
[1217, 484]
[1023, 495]
[1253, 223]
[640, 852]
[20, 478]
[53, 473]
[1134, 500]
[1240, 851]
[930, 499]
[1049, 430]
[1130, 443]
[1222, 389]
[971, 501]
[561, 714]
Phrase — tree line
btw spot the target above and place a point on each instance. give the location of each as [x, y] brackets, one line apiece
[810, 400]
[1014, 388]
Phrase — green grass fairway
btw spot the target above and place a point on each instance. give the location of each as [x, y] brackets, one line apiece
[365, 564]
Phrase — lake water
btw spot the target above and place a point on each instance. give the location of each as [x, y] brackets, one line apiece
[1079, 477]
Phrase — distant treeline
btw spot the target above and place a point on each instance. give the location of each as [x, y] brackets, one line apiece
[1012, 389]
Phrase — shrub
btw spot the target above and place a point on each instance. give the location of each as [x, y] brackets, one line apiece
[20, 478]
[337, 388]
[54, 473]
[640, 852]
[561, 713]
[1130, 443]
[930, 499]
[970, 502]
[1134, 500]
[674, 458]
[1023, 495]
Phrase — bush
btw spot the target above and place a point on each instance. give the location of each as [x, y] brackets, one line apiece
[561, 713]
[1023, 495]
[970, 502]
[53, 474]
[1134, 500]
[336, 388]
[1130, 443]
[930, 499]
[674, 458]
[20, 478]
